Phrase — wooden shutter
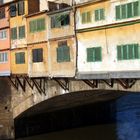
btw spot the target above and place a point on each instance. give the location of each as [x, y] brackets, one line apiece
[88, 16]
[98, 54]
[13, 33]
[83, 18]
[125, 52]
[40, 24]
[66, 53]
[20, 58]
[96, 15]
[34, 55]
[90, 54]
[53, 22]
[136, 51]
[118, 12]
[136, 8]
[129, 10]
[59, 54]
[13, 10]
[130, 51]
[39, 55]
[22, 32]
[102, 14]
[119, 52]
[21, 8]
[124, 11]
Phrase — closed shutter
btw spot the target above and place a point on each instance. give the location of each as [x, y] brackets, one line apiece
[14, 33]
[119, 53]
[129, 10]
[136, 51]
[98, 56]
[66, 53]
[83, 18]
[53, 22]
[34, 55]
[125, 53]
[20, 58]
[88, 16]
[136, 8]
[39, 55]
[22, 32]
[21, 8]
[130, 51]
[124, 11]
[96, 15]
[13, 10]
[102, 14]
[118, 12]
[40, 24]
[90, 54]
[59, 54]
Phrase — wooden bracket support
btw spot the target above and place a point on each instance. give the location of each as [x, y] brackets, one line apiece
[13, 82]
[110, 82]
[21, 83]
[126, 83]
[39, 84]
[63, 84]
[92, 84]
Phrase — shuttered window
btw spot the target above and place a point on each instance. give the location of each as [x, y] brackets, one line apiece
[94, 54]
[13, 9]
[37, 55]
[37, 25]
[99, 14]
[86, 17]
[60, 20]
[2, 13]
[3, 57]
[21, 8]
[13, 33]
[128, 51]
[22, 32]
[128, 10]
[20, 58]
[63, 52]
[3, 34]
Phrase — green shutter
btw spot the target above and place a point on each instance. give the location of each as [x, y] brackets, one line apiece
[13, 33]
[130, 51]
[119, 52]
[59, 54]
[102, 14]
[125, 52]
[136, 8]
[129, 10]
[89, 54]
[136, 51]
[96, 15]
[20, 58]
[83, 18]
[88, 16]
[118, 12]
[98, 54]
[124, 11]
[21, 32]
[66, 53]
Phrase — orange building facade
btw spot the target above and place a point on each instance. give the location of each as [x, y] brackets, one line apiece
[4, 41]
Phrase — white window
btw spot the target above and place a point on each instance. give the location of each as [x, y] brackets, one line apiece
[3, 34]
[3, 57]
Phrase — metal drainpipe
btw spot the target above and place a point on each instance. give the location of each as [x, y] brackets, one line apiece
[76, 40]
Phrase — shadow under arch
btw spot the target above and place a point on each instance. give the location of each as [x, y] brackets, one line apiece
[72, 110]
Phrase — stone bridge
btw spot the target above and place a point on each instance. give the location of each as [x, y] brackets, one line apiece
[18, 94]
